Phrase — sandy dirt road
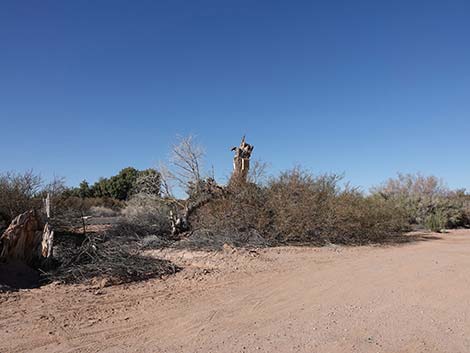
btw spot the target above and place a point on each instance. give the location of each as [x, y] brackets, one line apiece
[407, 298]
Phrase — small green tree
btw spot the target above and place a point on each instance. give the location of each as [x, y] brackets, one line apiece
[84, 190]
[120, 186]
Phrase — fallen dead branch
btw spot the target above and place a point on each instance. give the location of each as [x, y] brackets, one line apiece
[208, 240]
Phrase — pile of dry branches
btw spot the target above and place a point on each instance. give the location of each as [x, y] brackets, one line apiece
[210, 240]
[116, 259]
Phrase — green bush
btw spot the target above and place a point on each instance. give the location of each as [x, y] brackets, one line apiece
[426, 201]
[436, 222]
[127, 182]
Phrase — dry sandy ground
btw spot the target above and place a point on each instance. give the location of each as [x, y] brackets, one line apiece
[408, 298]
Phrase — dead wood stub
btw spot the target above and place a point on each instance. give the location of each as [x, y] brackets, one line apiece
[47, 242]
[27, 239]
[241, 160]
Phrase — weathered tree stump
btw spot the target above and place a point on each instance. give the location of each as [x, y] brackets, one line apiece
[27, 240]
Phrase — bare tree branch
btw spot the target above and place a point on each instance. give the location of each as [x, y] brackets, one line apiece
[186, 160]
[258, 172]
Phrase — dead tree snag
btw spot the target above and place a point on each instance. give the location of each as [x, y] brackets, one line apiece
[241, 161]
[27, 239]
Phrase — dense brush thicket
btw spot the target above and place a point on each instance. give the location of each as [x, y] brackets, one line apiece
[427, 201]
[299, 207]
[295, 206]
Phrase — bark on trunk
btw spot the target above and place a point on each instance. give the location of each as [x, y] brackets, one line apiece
[27, 240]
[241, 161]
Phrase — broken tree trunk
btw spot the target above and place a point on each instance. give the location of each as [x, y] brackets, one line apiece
[208, 190]
[241, 161]
[26, 239]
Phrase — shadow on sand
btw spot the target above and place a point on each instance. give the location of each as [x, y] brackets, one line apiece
[397, 240]
[413, 238]
[16, 275]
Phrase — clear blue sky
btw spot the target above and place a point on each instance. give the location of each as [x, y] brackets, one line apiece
[368, 88]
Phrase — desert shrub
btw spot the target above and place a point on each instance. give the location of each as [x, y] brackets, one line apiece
[465, 199]
[357, 219]
[242, 209]
[298, 207]
[301, 204]
[426, 200]
[319, 210]
[147, 215]
[450, 210]
[19, 192]
[436, 221]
